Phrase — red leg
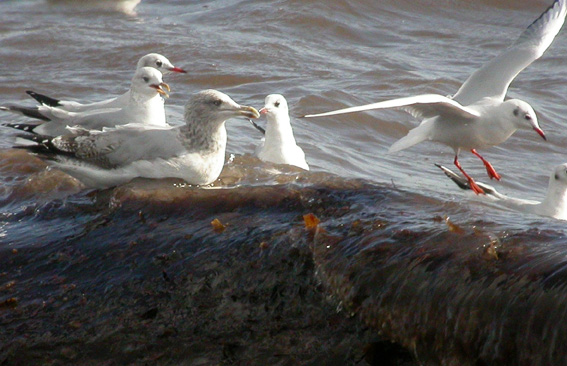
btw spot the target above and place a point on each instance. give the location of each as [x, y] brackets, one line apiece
[489, 168]
[475, 188]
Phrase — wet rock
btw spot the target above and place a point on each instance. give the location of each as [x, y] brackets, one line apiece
[372, 273]
[183, 294]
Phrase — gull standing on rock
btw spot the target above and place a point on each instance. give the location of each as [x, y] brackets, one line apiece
[477, 116]
[144, 106]
[155, 60]
[554, 204]
[194, 152]
[279, 145]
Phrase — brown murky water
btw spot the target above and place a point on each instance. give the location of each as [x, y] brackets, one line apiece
[139, 270]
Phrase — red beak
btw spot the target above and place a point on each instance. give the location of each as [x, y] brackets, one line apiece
[178, 69]
[263, 111]
[540, 132]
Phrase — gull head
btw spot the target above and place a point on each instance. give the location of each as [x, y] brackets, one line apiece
[275, 105]
[213, 107]
[524, 115]
[559, 175]
[555, 203]
[160, 63]
[147, 81]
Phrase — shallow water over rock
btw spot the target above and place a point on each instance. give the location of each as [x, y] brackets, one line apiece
[153, 270]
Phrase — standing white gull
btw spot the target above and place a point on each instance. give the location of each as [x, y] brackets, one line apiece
[477, 116]
[279, 145]
[554, 204]
[194, 152]
[144, 106]
[155, 60]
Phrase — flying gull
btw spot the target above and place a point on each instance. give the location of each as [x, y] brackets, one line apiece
[477, 116]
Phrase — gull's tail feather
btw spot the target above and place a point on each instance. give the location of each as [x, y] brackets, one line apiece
[414, 137]
[44, 99]
[32, 112]
[463, 183]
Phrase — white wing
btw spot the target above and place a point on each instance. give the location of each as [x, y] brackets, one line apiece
[420, 106]
[59, 115]
[493, 79]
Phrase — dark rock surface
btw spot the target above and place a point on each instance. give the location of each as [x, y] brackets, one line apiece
[149, 280]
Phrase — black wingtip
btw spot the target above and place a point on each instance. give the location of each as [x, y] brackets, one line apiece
[32, 112]
[549, 9]
[460, 182]
[255, 125]
[44, 99]
[43, 145]
[27, 127]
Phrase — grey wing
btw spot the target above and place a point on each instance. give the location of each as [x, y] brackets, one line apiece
[119, 147]
[493, 79]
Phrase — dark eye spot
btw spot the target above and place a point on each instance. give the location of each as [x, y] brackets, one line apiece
[217, 102]
[528, 117]
[516, 112]
[277, 104]
[556, 176]
[146, 79]
[159, 63]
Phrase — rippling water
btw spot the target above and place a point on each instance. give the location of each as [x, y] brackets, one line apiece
[320, 56]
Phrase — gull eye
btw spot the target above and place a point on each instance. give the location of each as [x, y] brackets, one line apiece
[528, 117]
[159, 63]
[146, 79]
[217, 102]
[277, 104]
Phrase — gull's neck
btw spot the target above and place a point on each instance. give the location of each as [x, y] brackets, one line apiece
[279, 131]
[146, 109]
[140, 98]
[206, 137]
[555, 202]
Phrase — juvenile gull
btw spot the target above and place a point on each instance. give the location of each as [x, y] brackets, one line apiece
[279, 145]
[155, 60]
[477, 116]
[194, 152]
[144, 106]
[554, 204]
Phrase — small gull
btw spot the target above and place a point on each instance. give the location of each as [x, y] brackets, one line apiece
[477, 116]
[144, 106]
[279, 145]
[194, 152]
[124, 6]
[554, 204]
[155, 60]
